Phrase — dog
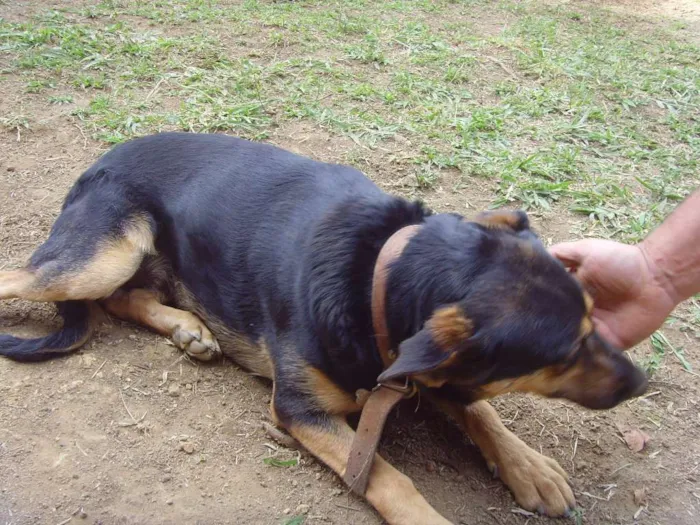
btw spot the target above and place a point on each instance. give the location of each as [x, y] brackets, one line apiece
[308, 274]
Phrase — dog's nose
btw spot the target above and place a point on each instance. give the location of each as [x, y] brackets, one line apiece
[634, 384]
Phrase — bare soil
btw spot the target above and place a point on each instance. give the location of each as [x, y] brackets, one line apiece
[127, 431]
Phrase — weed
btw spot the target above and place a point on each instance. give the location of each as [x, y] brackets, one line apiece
[660, 344]
[61, 99]
[426, 177]
[577, 515]
[274, 462]
[39, 85]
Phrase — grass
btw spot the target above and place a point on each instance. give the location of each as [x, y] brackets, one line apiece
[547, 108]
[660, 344]
[274, 462]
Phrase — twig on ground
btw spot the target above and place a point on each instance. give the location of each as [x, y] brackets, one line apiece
[98, 369]
[127, 408]
[620, 468]
[279, 436]
[80, 449]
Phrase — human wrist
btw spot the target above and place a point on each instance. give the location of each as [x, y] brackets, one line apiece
[662, 272]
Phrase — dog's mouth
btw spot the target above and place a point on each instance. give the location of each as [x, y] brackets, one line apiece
[610, 393]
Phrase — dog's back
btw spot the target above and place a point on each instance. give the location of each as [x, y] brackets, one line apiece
[228, 217]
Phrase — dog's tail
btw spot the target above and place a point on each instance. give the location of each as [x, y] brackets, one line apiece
[78, 324]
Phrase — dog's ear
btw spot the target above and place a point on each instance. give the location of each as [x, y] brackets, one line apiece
[515, 220]
[433, 346]
[417, 355]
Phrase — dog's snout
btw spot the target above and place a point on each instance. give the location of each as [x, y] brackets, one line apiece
[634, 384]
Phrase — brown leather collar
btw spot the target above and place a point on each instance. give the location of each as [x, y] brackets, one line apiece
[385, 395]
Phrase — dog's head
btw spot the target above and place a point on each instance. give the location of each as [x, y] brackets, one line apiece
[497, 313]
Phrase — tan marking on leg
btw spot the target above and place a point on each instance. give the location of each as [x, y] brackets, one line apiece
[16, 283]
[254, 357]
[114, 263]
[273, 412]
[537, 482]
[187, 330]
[390, 492]
[328, 396]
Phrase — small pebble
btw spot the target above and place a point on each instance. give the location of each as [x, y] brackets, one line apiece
[173, 389]
[302, 509]
[168, 502]
[187, 447]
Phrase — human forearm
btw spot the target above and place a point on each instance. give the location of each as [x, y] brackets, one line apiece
[673, 250]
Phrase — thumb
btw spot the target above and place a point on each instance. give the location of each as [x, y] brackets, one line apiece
[571, 254]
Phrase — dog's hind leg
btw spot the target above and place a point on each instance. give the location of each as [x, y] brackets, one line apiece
[15, 283]
[187, 330]
[86, 257]
[69, 267]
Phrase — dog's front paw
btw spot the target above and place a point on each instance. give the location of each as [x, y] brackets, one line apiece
[538, 483]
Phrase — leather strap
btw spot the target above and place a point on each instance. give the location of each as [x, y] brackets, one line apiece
[392, 250]
[384, 396]
[366, 440]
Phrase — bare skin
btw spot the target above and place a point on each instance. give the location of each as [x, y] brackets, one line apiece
[635, 288]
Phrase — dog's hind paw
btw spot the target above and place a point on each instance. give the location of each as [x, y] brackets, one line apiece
[538, 483]
[196, 341]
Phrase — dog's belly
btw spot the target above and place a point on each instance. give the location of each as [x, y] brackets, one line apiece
[252, 355]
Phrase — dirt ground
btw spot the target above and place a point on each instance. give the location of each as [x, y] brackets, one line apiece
[127, 431]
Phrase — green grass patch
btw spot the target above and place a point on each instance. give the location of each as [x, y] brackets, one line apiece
[274, 462]
[557, 109]
[660, 345]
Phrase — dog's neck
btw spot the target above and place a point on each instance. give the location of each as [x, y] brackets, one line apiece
[336, 281]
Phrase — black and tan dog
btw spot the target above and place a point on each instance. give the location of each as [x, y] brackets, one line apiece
[269, 258]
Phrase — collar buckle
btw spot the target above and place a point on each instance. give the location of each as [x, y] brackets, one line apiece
[408, 388]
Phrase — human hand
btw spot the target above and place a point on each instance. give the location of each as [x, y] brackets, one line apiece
[631, 300]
